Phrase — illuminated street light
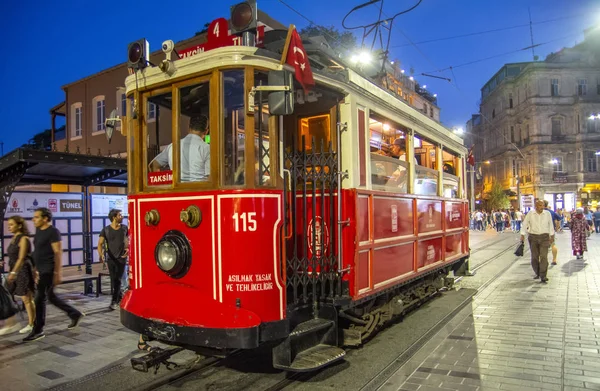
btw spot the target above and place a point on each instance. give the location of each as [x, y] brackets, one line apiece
[386, 127]
[435, 95]
[424, 86]
[554, 161]
[363, 57]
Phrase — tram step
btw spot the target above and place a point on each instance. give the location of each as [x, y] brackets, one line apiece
[311, 326]
[314, 358]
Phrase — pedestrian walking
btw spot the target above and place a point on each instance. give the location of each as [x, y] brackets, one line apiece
[21, 281]
[518, 221]
[556, 222]
[597, 220]
[540, 230]
[113, 249]
[47, 258]
[579, 228]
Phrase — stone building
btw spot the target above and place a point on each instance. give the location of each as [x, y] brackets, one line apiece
[540, 127]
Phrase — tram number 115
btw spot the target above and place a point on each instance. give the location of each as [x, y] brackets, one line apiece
[248, 221]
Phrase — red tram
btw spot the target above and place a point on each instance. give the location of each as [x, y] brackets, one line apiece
[301, 233]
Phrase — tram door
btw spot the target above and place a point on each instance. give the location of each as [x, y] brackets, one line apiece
[311, 170]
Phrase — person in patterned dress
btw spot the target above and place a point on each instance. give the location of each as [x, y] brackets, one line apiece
[579, 228]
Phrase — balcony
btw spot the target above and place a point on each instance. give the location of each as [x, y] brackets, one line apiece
[588, 177]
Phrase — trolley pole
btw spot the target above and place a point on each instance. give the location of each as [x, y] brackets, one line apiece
[518, 192]
[472, 196]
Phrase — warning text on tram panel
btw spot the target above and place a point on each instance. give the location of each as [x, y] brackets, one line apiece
[250, 283]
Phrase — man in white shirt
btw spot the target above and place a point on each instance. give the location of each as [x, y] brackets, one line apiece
[195, 153]
[538, 225]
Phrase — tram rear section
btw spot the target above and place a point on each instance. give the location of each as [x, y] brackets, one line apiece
[301, 233]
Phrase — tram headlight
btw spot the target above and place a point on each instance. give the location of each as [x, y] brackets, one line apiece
[173, 254]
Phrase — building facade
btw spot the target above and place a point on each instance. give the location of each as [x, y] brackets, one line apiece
[540, 127]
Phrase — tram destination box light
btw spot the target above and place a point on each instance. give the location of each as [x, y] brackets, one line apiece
[138, 54]
[243, 17]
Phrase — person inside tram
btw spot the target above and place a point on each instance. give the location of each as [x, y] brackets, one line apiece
[195, 153]
[448, 169]
[398, 149]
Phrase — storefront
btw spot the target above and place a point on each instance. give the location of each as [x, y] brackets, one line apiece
[564, 201]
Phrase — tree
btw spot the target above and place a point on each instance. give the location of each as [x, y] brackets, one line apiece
[345, 41]
[497, 198]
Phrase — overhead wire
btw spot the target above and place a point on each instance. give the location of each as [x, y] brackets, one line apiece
[485, 31]
[503, 54]
[463, 93]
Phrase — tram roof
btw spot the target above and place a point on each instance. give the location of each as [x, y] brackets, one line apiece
[32, 166]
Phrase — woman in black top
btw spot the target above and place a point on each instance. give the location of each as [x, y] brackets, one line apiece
[21, 279]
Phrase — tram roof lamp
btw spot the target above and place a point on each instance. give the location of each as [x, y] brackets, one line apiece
[243, 16]
[138, 54]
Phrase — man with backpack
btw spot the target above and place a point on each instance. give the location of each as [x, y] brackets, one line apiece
[498, 219]
[113, 249]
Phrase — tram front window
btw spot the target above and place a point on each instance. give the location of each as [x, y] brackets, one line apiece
[192, 133]
[234, 130]
[158, 125]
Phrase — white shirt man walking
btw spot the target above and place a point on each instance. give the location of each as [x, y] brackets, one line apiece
[538, 225]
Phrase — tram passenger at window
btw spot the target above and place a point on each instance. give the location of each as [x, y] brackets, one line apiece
[195, 153]
[398, 149]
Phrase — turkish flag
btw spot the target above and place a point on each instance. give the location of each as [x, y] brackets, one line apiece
[471, 157]
[296, 57]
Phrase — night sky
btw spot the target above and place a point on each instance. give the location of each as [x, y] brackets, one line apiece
[50, 44]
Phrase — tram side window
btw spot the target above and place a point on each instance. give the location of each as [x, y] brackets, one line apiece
[234, 130]
[194, 133]
[389, 168]
[426, 172]
[158, 125]
[450, 177]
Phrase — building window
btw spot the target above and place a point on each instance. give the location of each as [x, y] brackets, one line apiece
[582, 87]
[592, 123]
[554, 87]
[151, 112]
[493, 113]
[514, 168]
[557, 162]
[598, 86]
[76, 120]
[556, 127]
[99, 107]
[123, 105]
[510, 100]
[512, 134]
[592, 161]
[431, 111]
